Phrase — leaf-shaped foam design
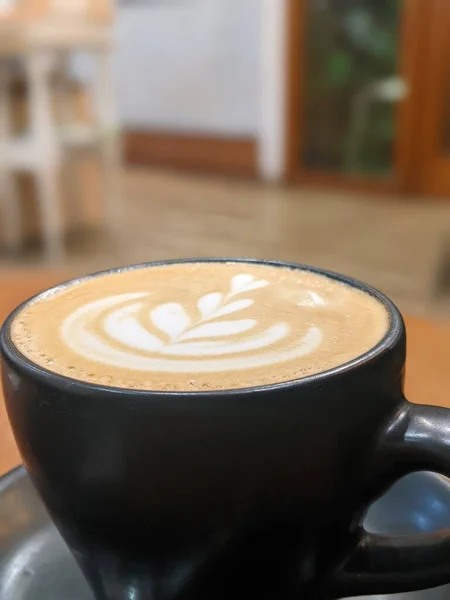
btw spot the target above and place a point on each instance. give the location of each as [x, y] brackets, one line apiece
[260, 283]
[245, 283]
[311, 299]
[222, 328]
[170, 318]
[240, 282]
[229, 346]
[123, 327]
[228, 309]
[209, 303]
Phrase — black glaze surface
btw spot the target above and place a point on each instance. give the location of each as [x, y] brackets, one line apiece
[35, 563]
[255, 493]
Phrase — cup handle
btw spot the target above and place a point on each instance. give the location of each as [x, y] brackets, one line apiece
[417, 439]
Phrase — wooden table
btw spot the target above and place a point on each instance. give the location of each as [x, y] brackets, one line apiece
[100, 11]
[428, 372]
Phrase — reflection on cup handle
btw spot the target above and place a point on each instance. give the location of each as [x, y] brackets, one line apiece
[417, 439]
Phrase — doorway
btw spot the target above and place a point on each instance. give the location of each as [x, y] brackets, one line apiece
[369, 94]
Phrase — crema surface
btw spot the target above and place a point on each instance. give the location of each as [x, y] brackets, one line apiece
[199, 326]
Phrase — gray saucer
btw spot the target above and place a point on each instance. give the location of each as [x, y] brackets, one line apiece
[35, 563]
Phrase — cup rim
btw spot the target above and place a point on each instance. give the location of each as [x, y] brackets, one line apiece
[62, 382]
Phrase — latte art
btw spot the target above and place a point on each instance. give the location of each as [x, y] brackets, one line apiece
[154, 339]
[198, 326]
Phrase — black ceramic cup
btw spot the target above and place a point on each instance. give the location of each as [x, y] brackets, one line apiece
[254, 493]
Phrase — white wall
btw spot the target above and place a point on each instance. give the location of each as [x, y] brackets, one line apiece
[212, 66]
[190, 65]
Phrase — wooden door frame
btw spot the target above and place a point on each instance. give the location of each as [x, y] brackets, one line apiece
[431, 169]
[410, 48]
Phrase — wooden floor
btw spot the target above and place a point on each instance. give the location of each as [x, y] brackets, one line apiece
[395, 244]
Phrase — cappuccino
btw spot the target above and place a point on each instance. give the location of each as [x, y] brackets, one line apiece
[198, 326]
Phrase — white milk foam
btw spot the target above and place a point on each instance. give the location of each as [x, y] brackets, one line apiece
[198, 326]
[228, 337]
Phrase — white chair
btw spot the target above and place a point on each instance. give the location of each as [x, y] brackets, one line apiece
[101, 135]
[54, 140]
[37, 151]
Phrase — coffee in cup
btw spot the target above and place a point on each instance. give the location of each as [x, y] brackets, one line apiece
[197, 326]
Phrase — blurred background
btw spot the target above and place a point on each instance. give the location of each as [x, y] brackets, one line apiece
[315, 131]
